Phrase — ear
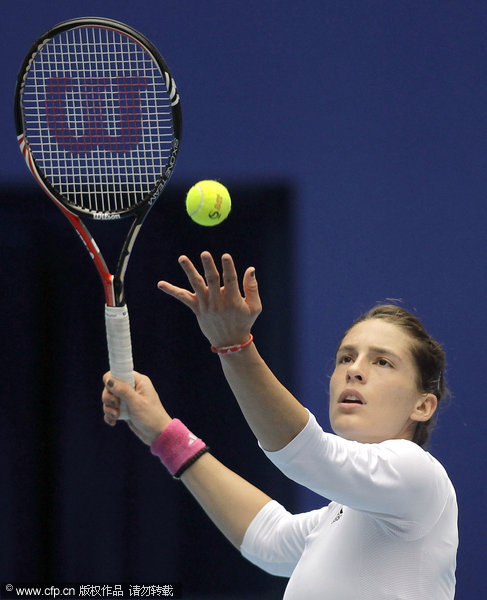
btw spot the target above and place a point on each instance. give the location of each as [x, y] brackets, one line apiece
[424, 408]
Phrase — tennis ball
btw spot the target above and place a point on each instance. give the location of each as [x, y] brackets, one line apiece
[208, 203]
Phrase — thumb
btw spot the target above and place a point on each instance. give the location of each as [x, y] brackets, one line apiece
[251, 291]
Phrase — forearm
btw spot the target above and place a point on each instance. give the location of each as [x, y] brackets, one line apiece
[272, 412]
[230, 501]
[226, 319]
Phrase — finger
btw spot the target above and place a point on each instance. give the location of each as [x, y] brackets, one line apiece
[110, 421]
[184, 296]
[111, 404]
[109, 400]
[196, 281]
[230, 279]
[251, 291]
[107, 397]
[120, 391]
[212, 277]
[111, 414]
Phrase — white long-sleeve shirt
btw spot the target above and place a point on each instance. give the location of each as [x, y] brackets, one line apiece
[390, 532]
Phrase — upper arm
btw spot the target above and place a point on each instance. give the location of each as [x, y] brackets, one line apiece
[395, 481]
[275, 539]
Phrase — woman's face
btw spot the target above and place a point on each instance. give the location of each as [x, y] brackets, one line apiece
[374, 394]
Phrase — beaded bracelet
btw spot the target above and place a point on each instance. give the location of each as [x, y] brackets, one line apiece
[230, 349]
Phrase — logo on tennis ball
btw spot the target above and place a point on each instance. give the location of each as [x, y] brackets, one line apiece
[216, 214]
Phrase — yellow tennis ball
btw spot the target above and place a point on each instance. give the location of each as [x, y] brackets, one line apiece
[208, 203]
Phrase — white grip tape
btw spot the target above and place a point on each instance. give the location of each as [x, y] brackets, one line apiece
[120, 348]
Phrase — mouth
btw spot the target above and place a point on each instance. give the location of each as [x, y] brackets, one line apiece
[351, 397]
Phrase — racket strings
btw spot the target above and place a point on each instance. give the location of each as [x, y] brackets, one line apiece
[98, 118]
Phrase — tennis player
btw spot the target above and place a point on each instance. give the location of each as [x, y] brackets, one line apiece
[390, 530]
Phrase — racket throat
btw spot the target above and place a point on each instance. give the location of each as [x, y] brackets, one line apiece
[118, 291]
[123, 261]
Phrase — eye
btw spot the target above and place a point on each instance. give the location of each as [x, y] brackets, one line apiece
[344, 359]
[383, 362]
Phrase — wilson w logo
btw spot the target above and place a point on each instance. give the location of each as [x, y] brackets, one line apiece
[88, 113]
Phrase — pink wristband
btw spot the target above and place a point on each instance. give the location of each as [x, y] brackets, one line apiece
[178, 448]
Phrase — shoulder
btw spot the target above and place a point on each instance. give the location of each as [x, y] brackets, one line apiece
[413, 461]
[403, 455]
[427, 489]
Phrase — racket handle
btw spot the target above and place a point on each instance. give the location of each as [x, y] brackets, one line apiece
[120, 348]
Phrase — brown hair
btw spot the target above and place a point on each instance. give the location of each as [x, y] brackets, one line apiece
[428, 356]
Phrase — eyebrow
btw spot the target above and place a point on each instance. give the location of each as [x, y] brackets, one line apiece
[373, 349]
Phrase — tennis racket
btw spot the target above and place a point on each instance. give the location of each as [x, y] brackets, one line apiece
[98, 121]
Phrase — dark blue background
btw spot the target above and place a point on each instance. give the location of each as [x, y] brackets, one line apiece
[374, 114]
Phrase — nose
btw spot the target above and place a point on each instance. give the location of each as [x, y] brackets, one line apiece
[356, 372]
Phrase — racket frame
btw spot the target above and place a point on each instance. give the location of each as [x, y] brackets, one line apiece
[113, 284]
[116, 313]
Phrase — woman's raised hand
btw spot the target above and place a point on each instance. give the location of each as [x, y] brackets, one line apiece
[224, 315]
